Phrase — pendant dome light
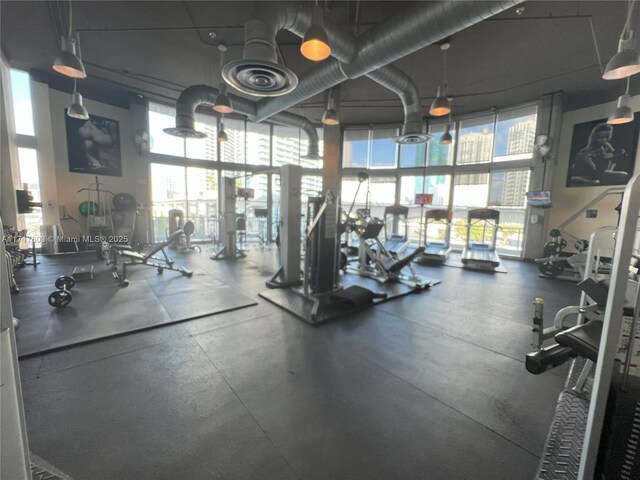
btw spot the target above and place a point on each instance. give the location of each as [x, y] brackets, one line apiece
[622, 113]
[626, 61]
[440, 105]
[330, 115]
[315, 44]
[446, 138]
[67, 62]
[222, 103]
[77, 109]
[222, 135]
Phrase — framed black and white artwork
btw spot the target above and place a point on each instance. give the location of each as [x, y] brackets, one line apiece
[602, 154]
[94, 146]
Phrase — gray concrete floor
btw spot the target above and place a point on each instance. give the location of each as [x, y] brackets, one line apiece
[429, 386]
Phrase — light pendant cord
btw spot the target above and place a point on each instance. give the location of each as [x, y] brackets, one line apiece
[444, 74]
[70, 19]
[626, 30]
[222, 84]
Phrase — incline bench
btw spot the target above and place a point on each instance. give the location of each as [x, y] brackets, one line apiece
[131, 257]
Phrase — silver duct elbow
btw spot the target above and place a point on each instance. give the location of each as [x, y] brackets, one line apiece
[191, 97]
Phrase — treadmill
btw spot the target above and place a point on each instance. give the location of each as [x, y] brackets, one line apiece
[482, 255]
[436, 252]
[394, 242]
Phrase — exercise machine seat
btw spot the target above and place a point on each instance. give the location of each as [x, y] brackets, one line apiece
[584, 339]
[549, 357]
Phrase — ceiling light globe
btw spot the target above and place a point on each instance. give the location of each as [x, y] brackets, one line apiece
[67, 62]
[76, 109]
[223, 104]
[446, 138]
[315, 45]
[330, 117]
[622, 113]
[622, 65]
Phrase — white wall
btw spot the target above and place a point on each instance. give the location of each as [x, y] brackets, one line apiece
[567, 200]
[9, 177]
[135, 170]
[68, 183]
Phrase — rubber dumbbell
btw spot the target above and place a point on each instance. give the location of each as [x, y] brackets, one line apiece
[62, 296]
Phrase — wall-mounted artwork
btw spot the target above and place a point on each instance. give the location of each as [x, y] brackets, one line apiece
[602, 154]
[94, 146]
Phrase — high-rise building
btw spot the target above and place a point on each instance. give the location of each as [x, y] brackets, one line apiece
[519, 141]
[475, 147]
[521, 135]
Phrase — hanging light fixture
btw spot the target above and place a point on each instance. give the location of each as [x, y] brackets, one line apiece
[222, 102]
[315, 44]
[330, 115]
[67, 62]
[222, 135]
[446, 138]
[440, 104]
[626, 61]
[622, 113]
[76, 109]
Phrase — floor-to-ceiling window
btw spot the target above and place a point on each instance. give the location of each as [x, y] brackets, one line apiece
[249, 155]
[26, 147]
[486, 165]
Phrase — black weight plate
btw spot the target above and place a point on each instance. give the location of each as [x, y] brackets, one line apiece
[551, 249]
[63, 281]
[551, 269]
[60, 298]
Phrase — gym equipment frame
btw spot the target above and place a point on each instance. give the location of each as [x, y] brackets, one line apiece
[554, 264]
[386, 266]
[131, 258]
[482, 256]
[436, 251]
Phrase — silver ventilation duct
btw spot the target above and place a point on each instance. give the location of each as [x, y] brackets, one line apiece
[258, 72]
[298, 19]
[404, 34]
[196, 95]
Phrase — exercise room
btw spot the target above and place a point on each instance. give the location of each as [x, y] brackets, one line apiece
[319, 240]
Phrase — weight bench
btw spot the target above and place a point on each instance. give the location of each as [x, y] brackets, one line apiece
[131, 258]
[582, 340]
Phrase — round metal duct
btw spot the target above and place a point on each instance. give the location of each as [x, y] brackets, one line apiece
[408, 138]
[184, 132]
[259, 78]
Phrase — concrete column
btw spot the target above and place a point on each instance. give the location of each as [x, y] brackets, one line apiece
[331, 164]
[549, 123]
[46, 158]
[9, 173]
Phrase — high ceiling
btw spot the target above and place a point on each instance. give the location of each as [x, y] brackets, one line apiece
[158, 48]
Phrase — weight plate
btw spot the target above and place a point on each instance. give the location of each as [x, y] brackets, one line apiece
[65, 281]
[551, 269]
[551, 249]
[60, 298]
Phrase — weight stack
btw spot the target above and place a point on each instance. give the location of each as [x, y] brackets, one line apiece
[619, 453]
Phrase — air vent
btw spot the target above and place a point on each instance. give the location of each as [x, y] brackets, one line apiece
[408, 138]
[259, 78]
[184, 132]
